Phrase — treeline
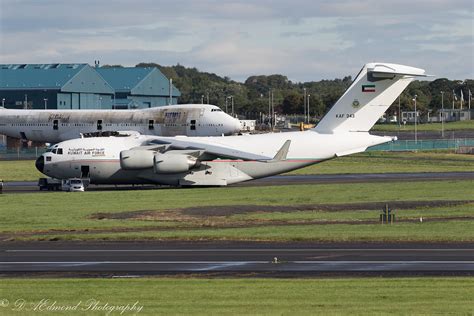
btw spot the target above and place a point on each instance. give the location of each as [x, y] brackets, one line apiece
[252, 97]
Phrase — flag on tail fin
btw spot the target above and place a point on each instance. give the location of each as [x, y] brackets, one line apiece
[368, 88]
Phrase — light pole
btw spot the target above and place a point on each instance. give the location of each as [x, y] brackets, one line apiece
[273, 114]
[442, 114]
[45, 103]
[454, 98]
[270, 92]
[232, 104]
[304, 104]
[399, 114]
[232, 100]
[171, 91]
[202, 99]
[307, 99]
[100, 103]
[3, 102]
[416, 117]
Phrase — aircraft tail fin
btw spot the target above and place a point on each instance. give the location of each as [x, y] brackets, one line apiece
[372, 92]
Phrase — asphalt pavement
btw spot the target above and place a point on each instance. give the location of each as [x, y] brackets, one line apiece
[31, 187]
[144, 258]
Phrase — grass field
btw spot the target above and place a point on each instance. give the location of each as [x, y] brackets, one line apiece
[383, 162]
[19, 170]
[369, 162]
[429, 127]
[160, 214]
[175, 296]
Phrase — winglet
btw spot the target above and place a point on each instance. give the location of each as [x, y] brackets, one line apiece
[283, 152]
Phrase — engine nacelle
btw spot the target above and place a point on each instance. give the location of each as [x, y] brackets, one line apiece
[173, 163]
[136, 159]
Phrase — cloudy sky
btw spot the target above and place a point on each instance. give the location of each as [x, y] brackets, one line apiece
[302, 39]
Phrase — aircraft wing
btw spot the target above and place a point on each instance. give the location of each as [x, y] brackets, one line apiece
[212, 151]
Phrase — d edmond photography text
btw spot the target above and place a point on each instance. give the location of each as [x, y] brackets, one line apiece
[47, 305]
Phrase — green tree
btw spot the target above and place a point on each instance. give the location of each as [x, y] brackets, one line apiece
[293, 103]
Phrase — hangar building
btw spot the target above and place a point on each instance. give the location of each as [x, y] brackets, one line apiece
[80, 86]
[137, 87]
[53, 86]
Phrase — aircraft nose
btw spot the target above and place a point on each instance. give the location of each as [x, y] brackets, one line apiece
[39, 164]
[237, 126]
[232, 126]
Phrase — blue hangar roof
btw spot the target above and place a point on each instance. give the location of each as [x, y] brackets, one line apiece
[19, 76]
[64, 77]
[137, 80]
[83, 78]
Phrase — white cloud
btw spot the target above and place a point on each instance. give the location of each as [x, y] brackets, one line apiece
[305, 40]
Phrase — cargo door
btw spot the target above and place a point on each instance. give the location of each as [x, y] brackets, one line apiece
[85, 172]
[191, 131]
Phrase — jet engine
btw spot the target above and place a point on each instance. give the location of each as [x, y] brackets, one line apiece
[136, 159]
[173, 162]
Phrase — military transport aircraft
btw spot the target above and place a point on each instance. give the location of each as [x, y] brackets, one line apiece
[52, 126]
[218, 161]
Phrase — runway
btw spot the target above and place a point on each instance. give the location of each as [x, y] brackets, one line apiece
[234, 258]
[31, 187]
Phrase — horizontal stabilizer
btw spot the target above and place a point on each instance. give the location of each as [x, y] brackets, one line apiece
[384, 70]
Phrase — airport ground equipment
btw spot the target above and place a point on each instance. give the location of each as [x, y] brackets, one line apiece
[49, 184]
[72, 185]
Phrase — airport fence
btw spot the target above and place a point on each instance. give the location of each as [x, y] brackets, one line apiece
[399, 145]
[431, 144]
[21, 153]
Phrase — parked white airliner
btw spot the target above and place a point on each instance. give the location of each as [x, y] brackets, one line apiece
[218, 161]
[53, 126]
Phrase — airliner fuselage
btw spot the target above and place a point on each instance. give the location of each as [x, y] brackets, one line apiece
[53, 126]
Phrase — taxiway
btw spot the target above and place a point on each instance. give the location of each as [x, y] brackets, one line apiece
[31, 187]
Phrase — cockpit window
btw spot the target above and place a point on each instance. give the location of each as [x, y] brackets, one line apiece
[54, 150]
[60, 151]
[216, 110]
[50, 148]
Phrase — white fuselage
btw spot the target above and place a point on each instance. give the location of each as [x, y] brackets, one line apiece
[99, 158]
[53, 126]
